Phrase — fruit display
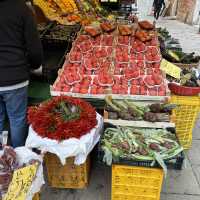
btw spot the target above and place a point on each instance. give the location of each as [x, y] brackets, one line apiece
[112, 63]
[92, 31]
[68, 6]
[142, 36]
[51, 11]
[134, 111]
[125, 30]
[138, 144]
[146, 25]
[72, 11]
[107, 26]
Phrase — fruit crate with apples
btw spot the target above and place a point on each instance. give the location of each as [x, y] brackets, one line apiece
[116, 64]
[133, 183]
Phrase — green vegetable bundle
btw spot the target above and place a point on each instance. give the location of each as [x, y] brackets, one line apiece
[128, 110]
[139, 145]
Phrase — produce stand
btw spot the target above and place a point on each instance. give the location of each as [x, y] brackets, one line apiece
[119, 73]
[107, 57]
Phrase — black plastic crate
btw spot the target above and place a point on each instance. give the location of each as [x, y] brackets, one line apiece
[51, 39]
[53, 61]
[43, 28]
[173, 163]
[109, 5]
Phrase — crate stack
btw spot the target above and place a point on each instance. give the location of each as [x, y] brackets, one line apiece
[137, 179]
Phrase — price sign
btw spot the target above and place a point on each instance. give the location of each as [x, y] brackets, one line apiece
[21, 183]
[171, 69]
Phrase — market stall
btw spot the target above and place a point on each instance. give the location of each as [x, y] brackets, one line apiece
[116, 89]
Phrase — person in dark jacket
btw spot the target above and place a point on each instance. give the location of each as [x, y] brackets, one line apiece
[20, 52]
[158, 5]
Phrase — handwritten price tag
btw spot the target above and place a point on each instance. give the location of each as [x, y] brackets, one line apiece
[171, 69]
[21, 183]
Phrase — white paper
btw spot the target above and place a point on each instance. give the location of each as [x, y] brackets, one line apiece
[78, 148]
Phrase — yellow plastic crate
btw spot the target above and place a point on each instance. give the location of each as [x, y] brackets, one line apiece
[186, 114]
[69, 175]
[136, 183]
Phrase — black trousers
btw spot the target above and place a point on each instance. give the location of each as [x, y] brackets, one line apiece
[157, 11]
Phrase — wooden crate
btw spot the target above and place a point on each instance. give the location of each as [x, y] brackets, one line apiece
[67, 176]
[36, 197]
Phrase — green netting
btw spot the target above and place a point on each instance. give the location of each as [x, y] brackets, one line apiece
[38, 92]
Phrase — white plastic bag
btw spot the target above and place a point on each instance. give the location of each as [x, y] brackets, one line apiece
[24, 155]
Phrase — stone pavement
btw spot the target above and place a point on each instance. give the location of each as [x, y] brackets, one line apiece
[179, 185]
[188, 35]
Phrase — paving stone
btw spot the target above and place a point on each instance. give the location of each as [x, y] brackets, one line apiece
[179, 197]
[194, 153]
[189, 40]
[181, 182]
[196, 170]
[99, 188]
[196, 132]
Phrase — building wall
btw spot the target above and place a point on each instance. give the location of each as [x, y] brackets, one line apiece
[185, 10]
